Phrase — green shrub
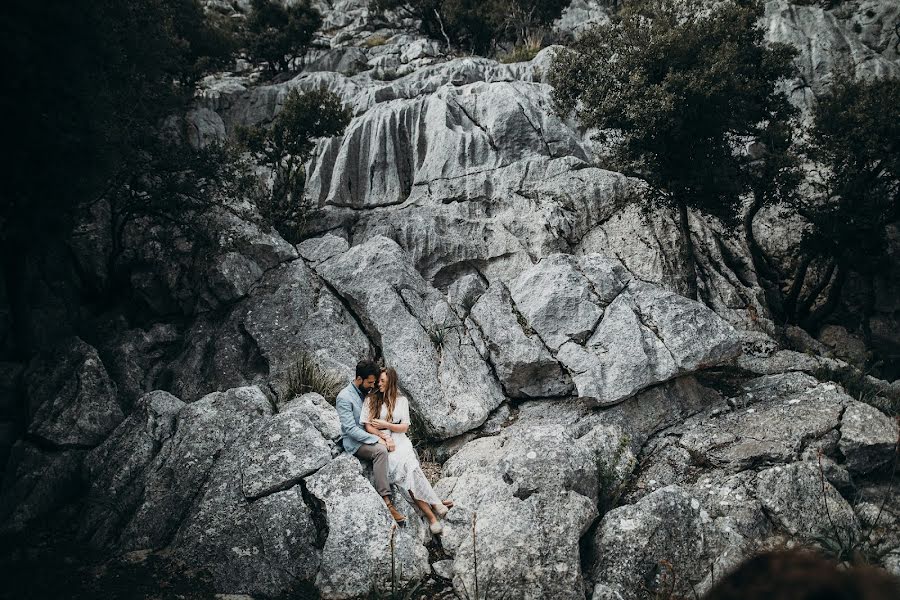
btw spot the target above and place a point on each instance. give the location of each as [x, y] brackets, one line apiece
[673, 89]
[276, 34]
[854, 142]
[305, 375]
[524, 51]
[284, 146]
[477, 25]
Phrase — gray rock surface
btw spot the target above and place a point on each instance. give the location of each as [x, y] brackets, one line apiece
[279, 452]
[524, 365]
[647, 335]
[117, 469]
[72, 398]
[176, 476]
[869, 438]
[290, 311]
[749, 469]
[347, 500]
[35, 483]
[447, 382]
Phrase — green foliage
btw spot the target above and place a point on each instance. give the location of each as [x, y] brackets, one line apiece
[439, 333]
[523, 51]
[674, 88]
[858, 385]
[477, 25]
[305, 375]
[855, 139]
[88, 84]
[285, 145]
[276, 34]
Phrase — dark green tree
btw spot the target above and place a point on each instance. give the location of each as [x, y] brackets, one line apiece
[87, 88]
[855, 142]
[277, 34]
[285, 145]
[676, 90]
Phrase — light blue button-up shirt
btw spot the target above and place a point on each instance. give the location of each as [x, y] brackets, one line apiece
[349, 405]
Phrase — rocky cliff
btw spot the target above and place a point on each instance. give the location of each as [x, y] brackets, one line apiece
[593, 423]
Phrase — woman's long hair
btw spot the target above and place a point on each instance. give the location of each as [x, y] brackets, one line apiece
[388, 398]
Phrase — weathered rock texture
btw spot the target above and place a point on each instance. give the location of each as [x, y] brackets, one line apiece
[593, 420]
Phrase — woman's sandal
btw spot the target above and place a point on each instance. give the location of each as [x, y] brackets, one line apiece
[436, 528]
[443, 508]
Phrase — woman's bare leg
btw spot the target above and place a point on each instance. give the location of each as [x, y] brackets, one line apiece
[424, 507]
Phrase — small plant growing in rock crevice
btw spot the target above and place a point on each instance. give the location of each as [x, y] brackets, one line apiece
[439, 333]
[284, 146]
[305, 375]
[848, 544]
[610, 485]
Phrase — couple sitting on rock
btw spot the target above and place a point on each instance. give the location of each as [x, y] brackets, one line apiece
[374, 421]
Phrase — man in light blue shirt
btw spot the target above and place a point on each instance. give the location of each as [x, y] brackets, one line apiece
[359, 442]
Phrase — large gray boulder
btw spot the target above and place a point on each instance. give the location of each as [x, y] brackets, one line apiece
[869, 438]
[665, 542]
[290, 310]
[798, 499]
[363, 539]
[72, 398]
[279, 452]
[448, 384]
[116, 470]
[523, 500]
[524, 365]
[760, 468]
[647, 335]
[176, 476]
[557, 301]
[262, 545]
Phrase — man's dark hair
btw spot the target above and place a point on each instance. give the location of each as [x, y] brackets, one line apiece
[364, 368]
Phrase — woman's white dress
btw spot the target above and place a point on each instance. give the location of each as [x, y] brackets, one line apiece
[404, 469]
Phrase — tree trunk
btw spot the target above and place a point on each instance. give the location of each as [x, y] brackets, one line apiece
[688, 258]
[768, 277]
[815, 320]
[790, 302]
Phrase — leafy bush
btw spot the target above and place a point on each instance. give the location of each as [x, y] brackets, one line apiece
[524, 51]
[89, 84]
[854, 141]
[674, 89]
[276, 34]
[285, 145]
[477, 25]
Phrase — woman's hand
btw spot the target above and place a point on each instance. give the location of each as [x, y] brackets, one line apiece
[380, 423]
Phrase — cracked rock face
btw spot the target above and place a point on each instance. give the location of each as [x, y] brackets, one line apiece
[354, 556]
[73, 399]
[741, 476]
[647, 335]
[447, 382]
[524, 365]
[290, 310]
[547, 481]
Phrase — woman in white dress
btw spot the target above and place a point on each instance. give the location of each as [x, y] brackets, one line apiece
[385, 413]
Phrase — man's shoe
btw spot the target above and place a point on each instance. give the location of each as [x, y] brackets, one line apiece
[394, 512]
